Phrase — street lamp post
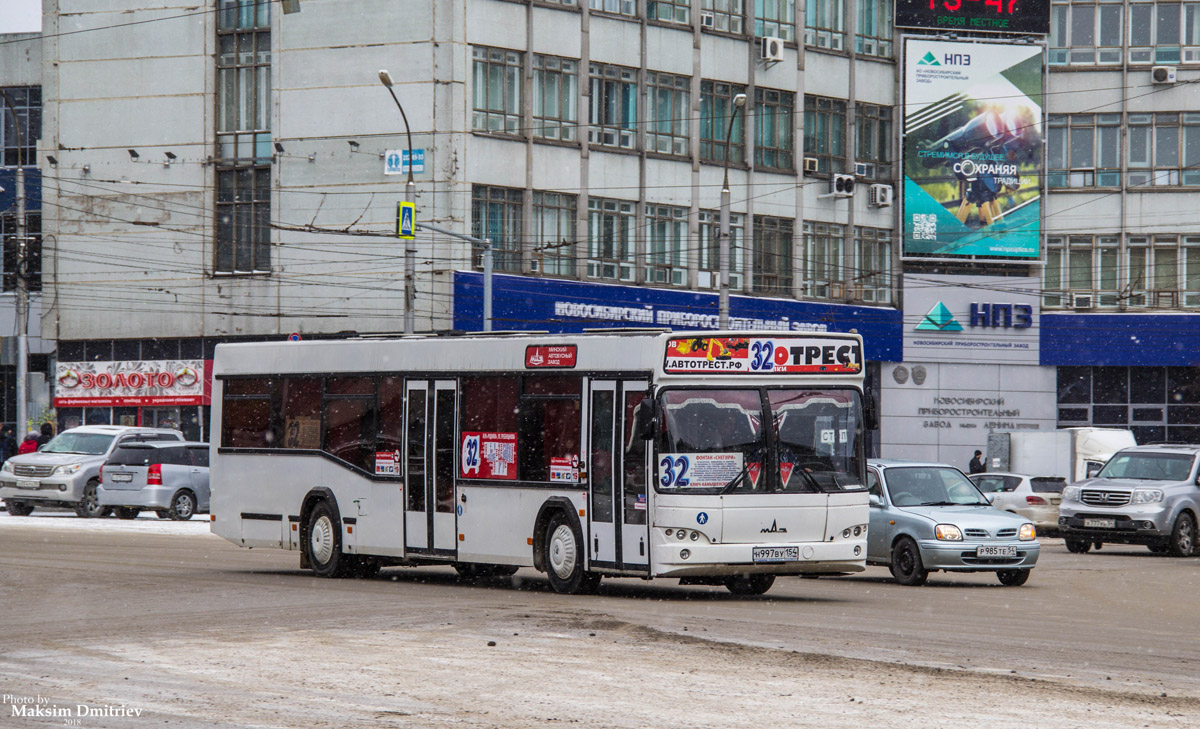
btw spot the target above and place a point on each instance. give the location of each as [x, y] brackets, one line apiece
[410, 195]
[723, 237]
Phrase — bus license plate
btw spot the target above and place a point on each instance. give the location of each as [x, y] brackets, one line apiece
[996, 551]
[776, 554]
[1099, 523]
[25, 484]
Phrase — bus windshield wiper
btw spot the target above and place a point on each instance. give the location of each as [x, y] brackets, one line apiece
[733, 483]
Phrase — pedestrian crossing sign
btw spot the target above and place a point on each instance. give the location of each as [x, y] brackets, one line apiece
[406, 216]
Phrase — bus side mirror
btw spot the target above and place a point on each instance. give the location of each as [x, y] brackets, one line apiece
[870, 412]
[646, 417]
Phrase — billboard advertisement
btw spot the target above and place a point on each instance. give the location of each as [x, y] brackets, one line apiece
[973, 121]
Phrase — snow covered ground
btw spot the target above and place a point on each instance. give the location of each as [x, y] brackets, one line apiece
[146, 523]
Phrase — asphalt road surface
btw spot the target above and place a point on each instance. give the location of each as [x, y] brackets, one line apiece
[136, 624]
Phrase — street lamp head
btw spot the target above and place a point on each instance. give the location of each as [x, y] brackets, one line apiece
[385, 77]
[739, 100]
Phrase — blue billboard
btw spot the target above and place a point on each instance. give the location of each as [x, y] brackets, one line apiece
[557, 306]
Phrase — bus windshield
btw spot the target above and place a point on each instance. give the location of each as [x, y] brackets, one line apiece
[713, 441]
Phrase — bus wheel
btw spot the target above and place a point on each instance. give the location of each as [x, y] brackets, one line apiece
[324, 544]
[749, 584]
[564, 558]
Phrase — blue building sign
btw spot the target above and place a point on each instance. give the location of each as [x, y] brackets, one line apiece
[1127, 340]
[520, 303]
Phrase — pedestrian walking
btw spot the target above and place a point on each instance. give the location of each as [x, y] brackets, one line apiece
[47, 434]
[30, 444]
[976, 465]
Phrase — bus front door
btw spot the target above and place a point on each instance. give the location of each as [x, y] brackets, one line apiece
[429, 522]
[619, 527]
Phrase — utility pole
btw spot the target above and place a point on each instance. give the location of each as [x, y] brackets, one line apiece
[723, 236]
[410, 195]
[22, 415]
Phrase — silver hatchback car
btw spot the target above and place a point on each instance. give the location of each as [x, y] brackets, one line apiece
[170, 478]
[929, 516]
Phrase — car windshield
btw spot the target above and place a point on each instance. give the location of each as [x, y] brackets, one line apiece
[91, 444]
[713, 441]
[1148, 467]
[931, 486]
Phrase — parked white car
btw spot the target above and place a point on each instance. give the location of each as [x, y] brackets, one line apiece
[1034, 497]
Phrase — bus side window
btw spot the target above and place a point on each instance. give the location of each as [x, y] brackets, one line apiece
[390, 436]
[246, 416]
[549, 424]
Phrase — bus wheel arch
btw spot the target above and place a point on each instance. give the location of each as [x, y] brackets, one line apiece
[320, 508]
[559, 541]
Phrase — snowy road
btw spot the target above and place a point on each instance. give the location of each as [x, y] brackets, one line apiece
[151, 623]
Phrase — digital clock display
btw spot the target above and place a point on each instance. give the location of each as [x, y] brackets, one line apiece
[995, 16]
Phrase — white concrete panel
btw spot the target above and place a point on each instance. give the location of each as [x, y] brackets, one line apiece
[352, 111]
[826, 75]
[1161, 212]
[669, 50]
[555, 168]
[1082, 212]
[726, 59]
[498, 161]
[21, 59]
[500, 25]
[173, 31]
[670, 183]
[128, 78]
[1094, 92]
[782, 75]
[556, 33]
[615, 41]
[613, 175]
[874, 82]
[359, 66]
[143, 121]
[360, 23]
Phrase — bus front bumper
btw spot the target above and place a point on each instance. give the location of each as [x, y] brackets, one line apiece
[691, 558]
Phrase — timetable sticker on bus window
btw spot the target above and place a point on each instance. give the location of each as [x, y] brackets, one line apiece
[698, 470]
[387, 463]
[489, 455]
[564, 470]
[774, 355]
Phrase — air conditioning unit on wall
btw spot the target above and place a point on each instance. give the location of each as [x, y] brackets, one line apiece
[811, 164]
[880, 195]
[707, 20]
[842, 185]
[1162, 74]
[772, 49]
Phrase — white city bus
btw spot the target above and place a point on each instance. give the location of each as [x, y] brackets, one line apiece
[722, 459]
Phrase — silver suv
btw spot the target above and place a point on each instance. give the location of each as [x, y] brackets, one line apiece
[65, 471]
[167, 477]
[1144, 495]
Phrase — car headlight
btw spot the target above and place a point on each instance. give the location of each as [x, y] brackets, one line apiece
[7, 467]
[948, 532]
[1070, 493]
[1028, 532]
[69, 469]
[1146, 496]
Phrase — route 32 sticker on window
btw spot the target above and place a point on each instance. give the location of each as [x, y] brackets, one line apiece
[698, 470]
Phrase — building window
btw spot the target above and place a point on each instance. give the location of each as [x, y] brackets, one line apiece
[710, 249]
[616, 7]
[773, 129]
[555, 98]
[1157, 403]
[874, 36]
[244, 150]
[772, 255]
[1154, 32]
[727, 14]
[775, 18]
[1086, 33]
[716, 104]
[666, 245]
[611, 238]
[873, 140]
[1084, 150]
[553, 234]
[496, 215]
[873, 273]
[614, 106]
[496, 90]
[824, 266]
[825, 24]
[1161, 271]
[1164, 149]
[825, 133]
[244, 219]
[669, 11]
[27, 102]
[667, 130]
[32, 268]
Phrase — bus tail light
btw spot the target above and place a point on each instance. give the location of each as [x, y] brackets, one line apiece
[154, 475]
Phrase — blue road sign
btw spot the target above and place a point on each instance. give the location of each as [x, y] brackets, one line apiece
[406, 220]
